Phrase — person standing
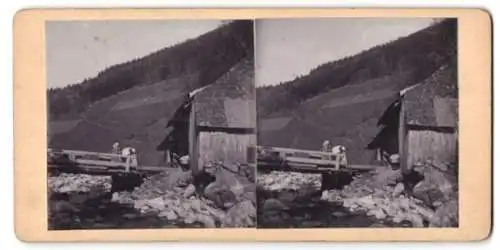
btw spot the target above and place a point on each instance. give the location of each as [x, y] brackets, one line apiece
[326, 147]
[130, 157]
[116, 148]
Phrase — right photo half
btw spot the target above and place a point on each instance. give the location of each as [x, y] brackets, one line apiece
[357, 122]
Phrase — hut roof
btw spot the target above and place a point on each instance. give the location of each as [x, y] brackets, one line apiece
[228, 102]
[434, 101]
[390, 117]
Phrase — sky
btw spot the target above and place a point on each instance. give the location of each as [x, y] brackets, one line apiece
[80, 49]
[287, 48]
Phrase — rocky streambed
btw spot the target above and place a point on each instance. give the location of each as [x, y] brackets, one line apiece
[169, 199]
[371, 199]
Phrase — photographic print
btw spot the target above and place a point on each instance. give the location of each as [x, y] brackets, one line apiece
[357, 122]
[151, 124]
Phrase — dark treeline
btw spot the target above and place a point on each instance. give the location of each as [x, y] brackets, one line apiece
[420, 54]
[208, 56]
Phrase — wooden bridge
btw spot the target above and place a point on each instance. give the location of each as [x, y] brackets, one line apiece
[334, 168]
[94, 163]
[306, 161]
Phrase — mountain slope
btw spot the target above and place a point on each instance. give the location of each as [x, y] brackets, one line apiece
[342, 101]
[207, 57]
[139, 114]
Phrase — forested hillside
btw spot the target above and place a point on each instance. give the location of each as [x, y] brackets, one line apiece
[419, 54]
[207, 57]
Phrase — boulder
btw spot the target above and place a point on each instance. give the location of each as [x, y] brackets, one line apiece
[436, 187]
[366, 202]
[170, 215]
[219, 194]
[156, 203]
[207, 221]
[242, 214]
[190, 190]
[398, 189]
[446, 215]
[416, 219]
[273, 205]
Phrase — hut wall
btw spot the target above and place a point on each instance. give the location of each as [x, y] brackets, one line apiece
[224, 147]
[431, 145]
[193, 142]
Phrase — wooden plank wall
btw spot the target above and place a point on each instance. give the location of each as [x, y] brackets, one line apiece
[431, 145]
[193, 138]
[225, 147]
[403, 140]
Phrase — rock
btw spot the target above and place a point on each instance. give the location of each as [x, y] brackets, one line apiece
[377, 213]
[435, 187]
[415, 219]
[366, 202]
[207, 221]
[325, 196]
[217, 213]
[399, 189]
[241, 215]
[190, 189]
[397, 219]
[339, 214]
[437, 203]
[180, 211]
[156, 203]
[273, 204]
[446, 215]
[196, 205]
[276, 186]
[170, 215]
[190, 219]
[404, 203]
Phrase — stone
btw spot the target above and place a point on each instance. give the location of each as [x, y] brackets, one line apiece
[398, 189]
[415, 219]
[190, 219]
[377, 213]
[207, 221]
[170, 215]
[339, 214]
[156, 203]
[446, 215]
[219, 194]
[404, 203]
[274, 204]
[397, 219]
[435, 187]
[196, 205]
[325, 196]
[366, 202]
[241, 215]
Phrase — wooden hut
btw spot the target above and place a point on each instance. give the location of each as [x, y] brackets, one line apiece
[429, 121]
[217, 123]
[423, 122]
[223, 120]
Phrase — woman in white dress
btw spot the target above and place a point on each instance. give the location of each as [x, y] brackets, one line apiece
[131, 157]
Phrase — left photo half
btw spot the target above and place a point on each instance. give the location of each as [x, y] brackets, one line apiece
[151, 124]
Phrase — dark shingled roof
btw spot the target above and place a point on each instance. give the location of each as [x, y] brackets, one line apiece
[434, 101]
[228, 102]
